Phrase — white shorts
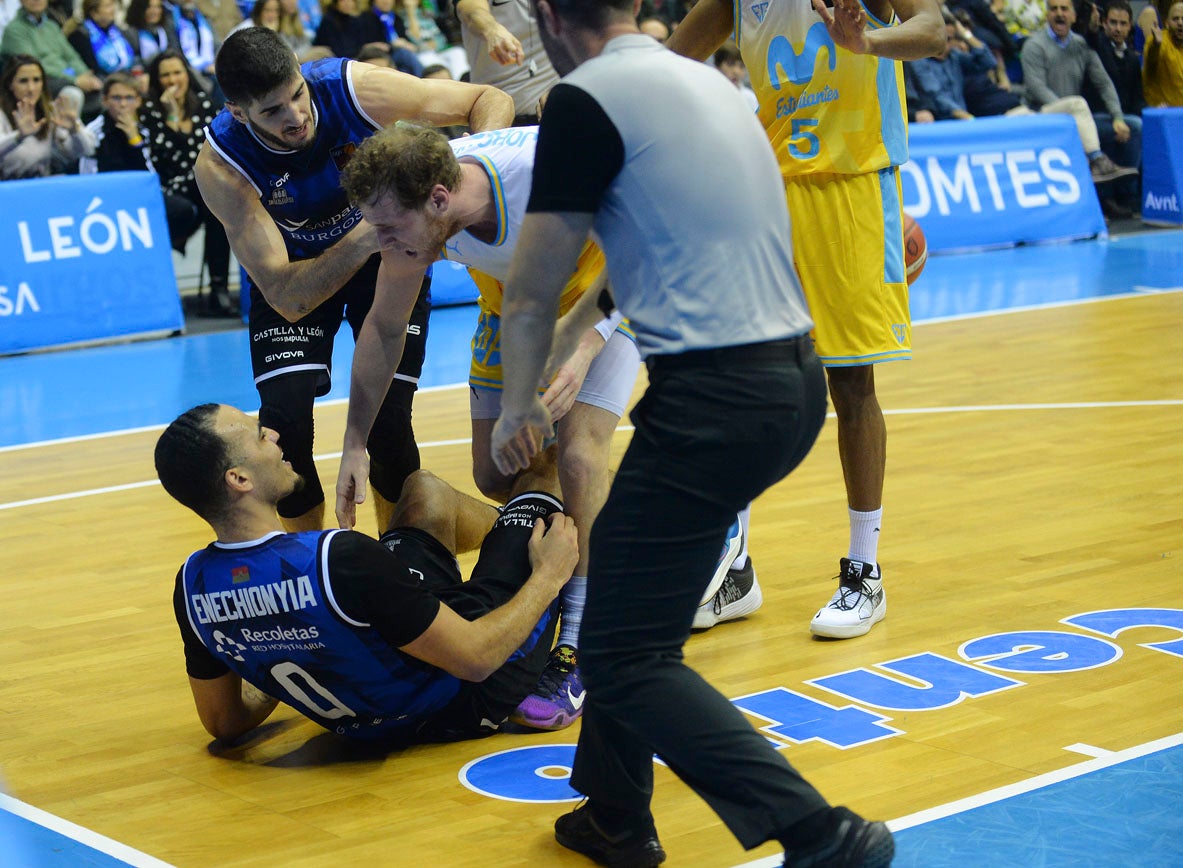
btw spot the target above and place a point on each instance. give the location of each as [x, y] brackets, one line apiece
[608, 385]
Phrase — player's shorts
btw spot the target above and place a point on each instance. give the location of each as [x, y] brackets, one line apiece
[849, 251]
[608, 385]
[280, 347]
[501, 569]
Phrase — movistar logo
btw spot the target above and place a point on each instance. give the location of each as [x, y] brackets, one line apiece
[785, 63]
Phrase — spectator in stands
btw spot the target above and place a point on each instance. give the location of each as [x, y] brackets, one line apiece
[1124, 68]
[436, 35]
[1056, 65]
[942, 78]
[195, 36]
[344, 32]
[655, 27]
[1162, 74]
[979, 17]
[295, 33]
[920, 107]
[101, 43]
[152, 29]
[729, 61]
[1120, 60]
[263, 13]
[222, 16]
[403, 52]
[32, 129]
[175, 119]
[34, 33]
[122, 146]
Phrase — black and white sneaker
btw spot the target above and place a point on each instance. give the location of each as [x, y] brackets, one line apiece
[739, 595]
[859, 603]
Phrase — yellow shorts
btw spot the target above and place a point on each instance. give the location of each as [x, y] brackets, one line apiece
[849, 251]
[485, 370]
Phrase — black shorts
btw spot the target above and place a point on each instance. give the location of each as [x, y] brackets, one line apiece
[500, 571]
[280, 347]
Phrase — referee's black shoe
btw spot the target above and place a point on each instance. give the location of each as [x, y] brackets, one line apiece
[850, 842]
[629, 848]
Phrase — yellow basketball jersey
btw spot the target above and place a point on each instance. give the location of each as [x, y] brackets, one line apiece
[587, 269]
[825, 109]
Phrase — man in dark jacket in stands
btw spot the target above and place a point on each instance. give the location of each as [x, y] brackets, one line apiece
[1116, 50]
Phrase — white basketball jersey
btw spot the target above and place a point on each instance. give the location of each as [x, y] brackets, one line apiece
[507, 156]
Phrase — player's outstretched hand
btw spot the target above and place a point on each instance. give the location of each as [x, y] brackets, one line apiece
[517, 438]
[351, 486]
[555, 549]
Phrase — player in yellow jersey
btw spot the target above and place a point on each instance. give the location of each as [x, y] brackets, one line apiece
[465, 200]
[831, 96]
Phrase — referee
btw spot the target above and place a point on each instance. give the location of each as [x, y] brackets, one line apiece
[662, 160]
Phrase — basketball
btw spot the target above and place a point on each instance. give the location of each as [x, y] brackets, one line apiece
[915, 249]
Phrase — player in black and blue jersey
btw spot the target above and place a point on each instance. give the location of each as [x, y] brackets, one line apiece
[370, 639]
[269, 170]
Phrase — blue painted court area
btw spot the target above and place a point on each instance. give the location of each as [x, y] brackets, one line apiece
[72, 393]
[1050, 274]
[31, 838]
[1125, 814]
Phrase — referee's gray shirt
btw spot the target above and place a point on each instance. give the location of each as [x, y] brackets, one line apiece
[689, 202]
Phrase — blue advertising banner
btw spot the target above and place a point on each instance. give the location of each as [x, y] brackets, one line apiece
[84, 258]
[1162, 166]
[994, 182]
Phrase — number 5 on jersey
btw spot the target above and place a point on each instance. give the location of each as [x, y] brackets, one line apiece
[803, 142]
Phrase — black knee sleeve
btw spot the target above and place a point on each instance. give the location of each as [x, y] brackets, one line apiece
[286, 406]
[394, 455]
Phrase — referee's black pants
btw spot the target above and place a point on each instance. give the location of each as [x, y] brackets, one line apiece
[714, 429]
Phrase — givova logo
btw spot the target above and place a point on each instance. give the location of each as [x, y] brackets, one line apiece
[785, 63]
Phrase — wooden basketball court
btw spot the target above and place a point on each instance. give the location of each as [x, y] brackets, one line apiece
[1035, 473]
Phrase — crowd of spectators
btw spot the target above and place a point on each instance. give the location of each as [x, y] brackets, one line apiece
[1015, 57]
[101, 64]
[119, 85]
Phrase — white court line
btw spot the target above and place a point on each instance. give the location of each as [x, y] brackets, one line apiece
[1088, 750]
[910, 411]
[81, 438]
[91, 492]
[1139, 292]
[1017, 789]
[79, 833]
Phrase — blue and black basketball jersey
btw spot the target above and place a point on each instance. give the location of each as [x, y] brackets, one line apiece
[301, 190]
[266, 609]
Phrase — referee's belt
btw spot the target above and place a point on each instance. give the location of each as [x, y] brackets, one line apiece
[782, 350]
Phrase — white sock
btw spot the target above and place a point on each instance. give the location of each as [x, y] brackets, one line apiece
[864, 535]
[571, 612]
[745, 518]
